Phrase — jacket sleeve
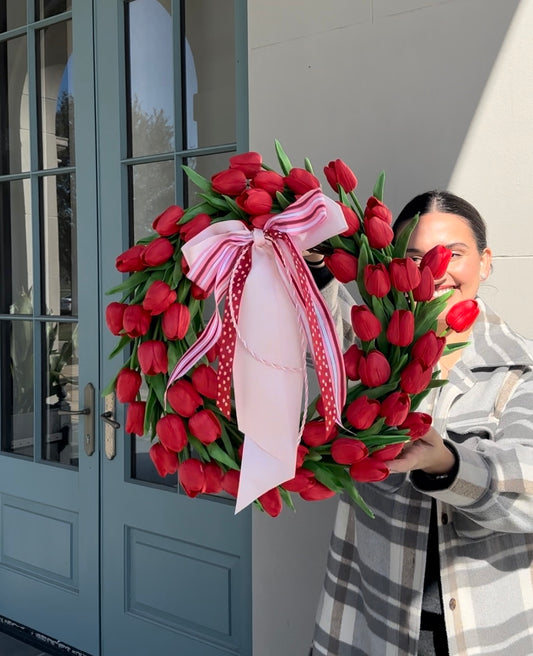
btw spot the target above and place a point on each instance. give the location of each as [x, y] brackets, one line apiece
[494, 482]
[339, 301]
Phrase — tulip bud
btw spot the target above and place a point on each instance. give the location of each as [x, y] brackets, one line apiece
[437, 260]
[426, 288]
[415, 377]
[428, 348]
[131, 260]
[191, 477]
[166, 223]
[136, 321]
[255, 201]
[351, 218]
[198, 293]
[369, 470]
[395, 408]
[248, 163]
[365, 324]
[205, 381]
[362, 412]
[213, 477]
[300, 181]
[301, 453]
[377, 209]
[271, 502]
[172, 433]
[230, 482]
[152, 356]
[128, 385]
[388, 452]
[316, 492]
[342, 265]
[269, 181]
[183, 398]
[346, 450]
[378, 232]
[404, 274]
[260, 220]
[417, 423]
[158, 298]
[175, 321]
[135, 417]
[157, 252]
[374, 369]
[351, 361]
[314, 433]
[376, 280]
[231, 182]
[401, 328]
[338, 173]
[205, 426]
[462, 315]
[114, 314]
[166, 462]
[303, 479]
[194, 226]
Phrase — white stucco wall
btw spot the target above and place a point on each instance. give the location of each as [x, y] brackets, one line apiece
[438, 93]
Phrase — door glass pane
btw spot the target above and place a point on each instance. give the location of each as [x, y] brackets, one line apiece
[56, 95]
[61, 393]
[46, 8]
[210, 72]
[152, 191]
[60, 244]
[14, 113]
[16, 348]
[16, 247]
[150, 83]
[12, 14]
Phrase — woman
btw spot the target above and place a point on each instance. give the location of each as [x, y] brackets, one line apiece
[446, 565]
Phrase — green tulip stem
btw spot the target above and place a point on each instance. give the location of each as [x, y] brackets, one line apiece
[358, 205]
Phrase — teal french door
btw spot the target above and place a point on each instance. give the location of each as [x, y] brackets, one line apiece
[96, 550]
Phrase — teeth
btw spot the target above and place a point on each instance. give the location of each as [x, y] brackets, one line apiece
[440, 292]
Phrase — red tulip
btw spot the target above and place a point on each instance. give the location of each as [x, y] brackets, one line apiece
[417, 423]
[166, 462]
[159, 297]
[260, 220]
[300, 181]
[152, 356]
[314, 433]
[376, 279]
[136, 321]
[395, 408]
[378, 232]
[230, 482]
[205, 381]
[428, 348]
[184, 266]
[362, 412]
[303, 479]
[183, 398]
[198, 293]
[255, 201]
[462, 315]
[175, 321]
[374, 369]
[388, 452]
[114, 314]
[342, 265]
[271, 502]
[231, 182]
[365, 324]
[172, 433]
[131, 260]
[351, 218]
[346, 450]
[425, 290]
[437, 259]
[248, 163]
[135, 417]
[351, 361]
[401, 328]
[166, 223]
[369, 470]
[205, 426]
[404, 274]
[269, 181]
[128, 385]
[191, 477]
[213, 477]
[157, 252]
[301, 454]
[339, 173]
[378, 209]
[415, 377]
[316, 492]
[194, 226]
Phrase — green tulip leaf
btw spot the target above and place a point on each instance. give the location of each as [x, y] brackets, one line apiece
[379, 186]
[196, 178]
[283, 160]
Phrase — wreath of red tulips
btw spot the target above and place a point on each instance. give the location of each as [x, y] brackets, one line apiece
[390, 368]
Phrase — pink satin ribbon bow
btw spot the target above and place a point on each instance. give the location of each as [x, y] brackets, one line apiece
[273, 310]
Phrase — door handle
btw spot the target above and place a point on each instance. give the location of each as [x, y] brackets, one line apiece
[111, 425]
[88, 413]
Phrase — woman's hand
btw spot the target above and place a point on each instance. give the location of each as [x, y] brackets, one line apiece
[428, 453]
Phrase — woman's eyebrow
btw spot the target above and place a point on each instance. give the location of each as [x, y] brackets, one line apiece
[451, 247]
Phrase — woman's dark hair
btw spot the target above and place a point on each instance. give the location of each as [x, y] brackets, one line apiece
[444, 201]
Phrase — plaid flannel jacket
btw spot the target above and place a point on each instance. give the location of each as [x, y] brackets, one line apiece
[371, 600]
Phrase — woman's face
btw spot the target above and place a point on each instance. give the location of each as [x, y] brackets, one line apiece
[467, 266]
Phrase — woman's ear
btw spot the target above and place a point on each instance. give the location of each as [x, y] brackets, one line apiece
[485, 264]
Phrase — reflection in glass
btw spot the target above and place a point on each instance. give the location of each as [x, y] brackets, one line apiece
[16, 347]
[150, 80]
[60, 244]
[210, 72]
[206, 166]
[12, 14]
[15, 247]
[152, 191]
[14, 112]
[61, 392]
[46, 8]
[56, 95]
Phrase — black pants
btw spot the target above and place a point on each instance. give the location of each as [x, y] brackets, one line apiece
[433, 640]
